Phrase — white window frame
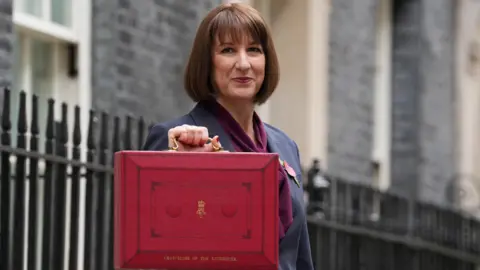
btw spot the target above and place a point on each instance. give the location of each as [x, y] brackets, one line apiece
[33, 23]
[44, 24]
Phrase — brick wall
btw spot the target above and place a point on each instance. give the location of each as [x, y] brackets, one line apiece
[139, 53]
[352, 71]
[6, 45]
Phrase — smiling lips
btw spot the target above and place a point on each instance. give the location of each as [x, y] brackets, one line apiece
[242, 80]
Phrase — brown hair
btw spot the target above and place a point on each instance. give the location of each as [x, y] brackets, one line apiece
[233, 19]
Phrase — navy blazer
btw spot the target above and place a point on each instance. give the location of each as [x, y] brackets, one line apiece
[295, 246]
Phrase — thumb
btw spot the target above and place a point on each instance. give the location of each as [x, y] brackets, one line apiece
[215, 145]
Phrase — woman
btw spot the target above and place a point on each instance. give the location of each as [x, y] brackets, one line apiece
[232, 68]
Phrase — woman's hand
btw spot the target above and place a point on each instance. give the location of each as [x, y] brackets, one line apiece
[192, 139]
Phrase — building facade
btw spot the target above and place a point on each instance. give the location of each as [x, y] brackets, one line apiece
[383, 92]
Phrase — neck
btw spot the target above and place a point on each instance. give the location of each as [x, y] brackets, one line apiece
[242, 113]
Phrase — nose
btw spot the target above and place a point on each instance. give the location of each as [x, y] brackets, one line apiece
[243, 62]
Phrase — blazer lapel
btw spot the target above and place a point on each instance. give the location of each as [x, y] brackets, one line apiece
[275, 146]
[272, 144]
[204, 118]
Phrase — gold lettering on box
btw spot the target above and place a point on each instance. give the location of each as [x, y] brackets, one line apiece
[177, 258]
[201, 209]
[228, 259]
[201, 258]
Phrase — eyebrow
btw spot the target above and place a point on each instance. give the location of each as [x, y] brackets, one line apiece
[231, 43]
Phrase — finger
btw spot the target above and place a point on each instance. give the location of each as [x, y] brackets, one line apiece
[173, 135]
[191, 131]
[197, 136]
[207, 148]
[183, 134]
[204, 136]
[216, 145]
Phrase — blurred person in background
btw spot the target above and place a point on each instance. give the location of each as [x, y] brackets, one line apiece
[317, 188]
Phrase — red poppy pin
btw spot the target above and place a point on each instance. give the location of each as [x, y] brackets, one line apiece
[290, 171]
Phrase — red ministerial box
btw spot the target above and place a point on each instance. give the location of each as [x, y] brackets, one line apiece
[211, 211]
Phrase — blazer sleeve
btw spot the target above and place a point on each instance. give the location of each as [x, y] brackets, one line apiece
[304, 257]
[157, 139]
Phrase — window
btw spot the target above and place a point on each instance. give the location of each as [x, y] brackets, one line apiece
[52, 59]
[39, 71]
[49, 17]
[52, 56]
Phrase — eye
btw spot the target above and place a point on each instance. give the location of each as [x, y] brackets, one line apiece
[227, 50]
[255, 49]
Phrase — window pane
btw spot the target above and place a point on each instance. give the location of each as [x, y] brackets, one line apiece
[33, 7]
[42, 80]
[18, 61]
[42, 54]
[61, 12]
[40, 65]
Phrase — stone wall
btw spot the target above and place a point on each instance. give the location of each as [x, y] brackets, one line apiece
[438, 100]
[351, 88]
[423, 99]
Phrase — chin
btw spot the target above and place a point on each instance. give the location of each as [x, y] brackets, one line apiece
[243, 94]
[243, 98]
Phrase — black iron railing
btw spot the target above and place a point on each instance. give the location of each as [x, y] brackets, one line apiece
[359, 227]
[62, 198]
[63, 202]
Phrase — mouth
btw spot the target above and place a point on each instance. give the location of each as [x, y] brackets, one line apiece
[242, 79]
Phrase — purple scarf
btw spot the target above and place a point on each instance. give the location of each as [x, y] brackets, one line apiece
[242, 143]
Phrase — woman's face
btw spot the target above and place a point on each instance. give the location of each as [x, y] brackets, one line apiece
[238, 68]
